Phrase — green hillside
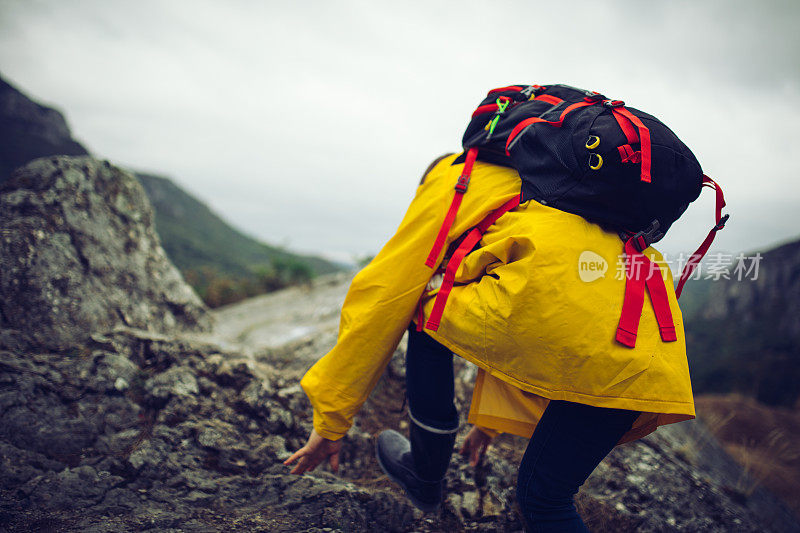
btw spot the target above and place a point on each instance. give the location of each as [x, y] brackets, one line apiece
[213, 256]
[220, 262]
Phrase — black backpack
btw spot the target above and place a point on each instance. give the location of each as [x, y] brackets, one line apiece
[586, 154]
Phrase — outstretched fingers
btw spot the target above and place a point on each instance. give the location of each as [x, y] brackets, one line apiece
[316, 450]
[294, 457]
[475, 445]
[305, 461]
[477, 453]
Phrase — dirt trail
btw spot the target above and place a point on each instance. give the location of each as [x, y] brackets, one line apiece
[286, 318]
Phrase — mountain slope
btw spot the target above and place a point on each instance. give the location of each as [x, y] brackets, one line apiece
[208, 250]
[744, 336]
[196, 237]
[29, 130]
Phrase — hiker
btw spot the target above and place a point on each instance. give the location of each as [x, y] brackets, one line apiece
[577, 363]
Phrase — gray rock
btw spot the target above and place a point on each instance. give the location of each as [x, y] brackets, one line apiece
[176, 381]
[74, 488]
[217, 435]
[115, 371]
[79, 254]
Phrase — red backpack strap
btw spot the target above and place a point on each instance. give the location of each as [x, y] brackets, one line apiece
[466, 246]
[557, 123]
[658, 297]
[461, 188]
[549, 98]
[508, 88]
[633, 303]
[623, 116]
[719, 224]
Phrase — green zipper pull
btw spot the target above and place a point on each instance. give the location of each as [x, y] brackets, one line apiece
[502, 104]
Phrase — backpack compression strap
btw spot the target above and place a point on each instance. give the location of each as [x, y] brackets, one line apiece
[701, 251]
[466, 246]
[626, 121]
[558, 123]
[636, 281]
[461, 188]
[634, 129]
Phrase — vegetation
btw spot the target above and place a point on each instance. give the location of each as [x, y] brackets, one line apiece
[222, 264]
[218, 289]
[764, 440]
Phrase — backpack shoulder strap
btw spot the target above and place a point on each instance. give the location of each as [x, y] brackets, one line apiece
[450, 217]
[466, 246]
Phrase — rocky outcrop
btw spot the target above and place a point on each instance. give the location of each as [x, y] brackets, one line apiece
[745, 335]
[79, 254]
[29, 130]
[138, 431]
[196, 239]
[773, 297]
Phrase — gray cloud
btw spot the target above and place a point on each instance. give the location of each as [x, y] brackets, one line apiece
[309, 124]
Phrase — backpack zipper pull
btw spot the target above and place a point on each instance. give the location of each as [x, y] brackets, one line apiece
[502, 104]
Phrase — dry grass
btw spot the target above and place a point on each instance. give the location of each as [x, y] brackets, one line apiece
[764, 440]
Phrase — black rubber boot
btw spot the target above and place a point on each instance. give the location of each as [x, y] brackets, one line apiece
[418, 465]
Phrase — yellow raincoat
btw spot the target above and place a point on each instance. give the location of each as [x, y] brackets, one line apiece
[532, 307]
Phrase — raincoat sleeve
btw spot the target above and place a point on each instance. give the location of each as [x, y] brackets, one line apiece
[383, 297]
[377, 310]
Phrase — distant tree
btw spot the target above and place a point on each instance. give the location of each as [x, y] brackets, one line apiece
[217, 289]
[292, 271]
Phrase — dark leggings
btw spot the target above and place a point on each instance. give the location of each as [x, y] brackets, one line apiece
[569, 442]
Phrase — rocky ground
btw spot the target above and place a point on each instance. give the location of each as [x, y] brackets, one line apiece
[166, 425]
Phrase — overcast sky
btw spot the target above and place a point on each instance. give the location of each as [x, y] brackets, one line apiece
[308, 124]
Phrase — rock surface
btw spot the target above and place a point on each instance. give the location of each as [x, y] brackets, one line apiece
[288, 321]
[79, 254]
[745, 333]
[194, 441]
[195, 438]
[772, 291]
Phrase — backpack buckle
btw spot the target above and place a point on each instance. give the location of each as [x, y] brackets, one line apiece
[532, 90]
[613, 103]
[463, 183]
[593, 96]
[722, 221]
[645, 238]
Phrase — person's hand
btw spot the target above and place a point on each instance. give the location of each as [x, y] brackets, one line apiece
[475, 445]
[316, 450]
